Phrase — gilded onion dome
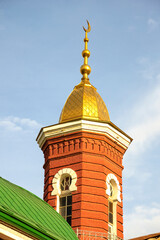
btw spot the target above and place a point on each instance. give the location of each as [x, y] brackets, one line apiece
[84, 102]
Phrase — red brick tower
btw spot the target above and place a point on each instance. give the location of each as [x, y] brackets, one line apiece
[83, 162]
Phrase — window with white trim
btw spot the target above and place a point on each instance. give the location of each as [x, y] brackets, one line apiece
[113, 192]
[65, 199]
[63, 185]
[111, 214]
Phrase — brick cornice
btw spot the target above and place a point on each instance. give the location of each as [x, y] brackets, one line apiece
[57, 148]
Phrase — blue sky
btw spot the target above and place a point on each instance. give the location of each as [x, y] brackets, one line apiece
[40, 48]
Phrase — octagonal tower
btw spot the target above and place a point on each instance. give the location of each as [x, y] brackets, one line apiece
[83, 162]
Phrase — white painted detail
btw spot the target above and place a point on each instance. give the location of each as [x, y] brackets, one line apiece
[110, 130]
[56, 181]
[10, 233]
[57, 208]
[112, 178]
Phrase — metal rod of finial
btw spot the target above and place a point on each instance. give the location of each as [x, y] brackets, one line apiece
[89, 27]
[85, 68]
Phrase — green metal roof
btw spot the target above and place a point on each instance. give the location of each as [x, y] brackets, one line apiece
[31, 214]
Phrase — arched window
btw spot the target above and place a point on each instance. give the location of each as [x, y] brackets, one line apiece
[113, 191]
[65, 203]
[113, 187]
[64, 183]
[111, 210]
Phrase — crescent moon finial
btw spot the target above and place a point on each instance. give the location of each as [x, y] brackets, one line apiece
[85, 68]
[89, 27]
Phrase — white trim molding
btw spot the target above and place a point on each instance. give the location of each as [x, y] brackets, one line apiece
[109, 178]
[10, 233]
[109, 129]
[57, 177]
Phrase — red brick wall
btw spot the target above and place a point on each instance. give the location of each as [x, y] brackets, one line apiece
[92, 157]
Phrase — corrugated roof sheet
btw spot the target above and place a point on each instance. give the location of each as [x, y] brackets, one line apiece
[153, 235]
[33, 211]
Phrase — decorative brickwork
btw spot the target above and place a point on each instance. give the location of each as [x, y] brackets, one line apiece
[69, 146]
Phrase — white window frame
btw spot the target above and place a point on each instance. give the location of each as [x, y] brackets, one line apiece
[56, 183]
[114, 198]
[110, 177]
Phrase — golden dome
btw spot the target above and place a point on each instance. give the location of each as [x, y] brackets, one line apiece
[84, 102]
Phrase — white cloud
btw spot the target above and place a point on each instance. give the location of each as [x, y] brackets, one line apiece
[18, 124]
[142, 221]
[144, 118]
[152, 24]
[9, 125]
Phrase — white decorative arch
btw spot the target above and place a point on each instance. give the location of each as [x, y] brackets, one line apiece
[109, 178]
[57, 177]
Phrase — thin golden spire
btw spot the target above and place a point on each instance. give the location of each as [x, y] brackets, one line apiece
[85, 68]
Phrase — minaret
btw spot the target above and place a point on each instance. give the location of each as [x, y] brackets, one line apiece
[83, 162]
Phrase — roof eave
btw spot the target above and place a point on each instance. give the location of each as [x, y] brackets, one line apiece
[26, 227]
